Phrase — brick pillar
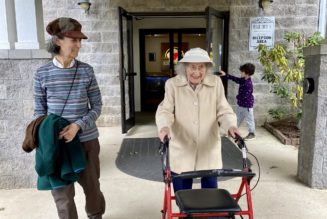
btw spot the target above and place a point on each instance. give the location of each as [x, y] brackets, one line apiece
[312, 159]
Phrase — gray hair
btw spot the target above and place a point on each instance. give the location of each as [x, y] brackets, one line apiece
[180, 68]
[51, 45]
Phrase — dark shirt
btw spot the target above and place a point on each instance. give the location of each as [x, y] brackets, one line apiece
[245, 90]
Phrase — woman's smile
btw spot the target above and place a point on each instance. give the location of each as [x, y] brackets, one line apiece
[195, 72]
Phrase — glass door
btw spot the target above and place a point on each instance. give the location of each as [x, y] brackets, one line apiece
[126, 70]
[160, 50]
[217, 39]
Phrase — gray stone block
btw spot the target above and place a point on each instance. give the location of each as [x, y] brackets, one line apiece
[3, 91]
[11, 110]
[4, 54]
[27, 68]
[101, 48]
[3, 129]
[20, 54]
[9, 70]
[109, 37]
[40, 54]
[28, 106]
[19, 90]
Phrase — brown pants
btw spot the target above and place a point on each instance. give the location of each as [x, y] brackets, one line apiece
[89, 180]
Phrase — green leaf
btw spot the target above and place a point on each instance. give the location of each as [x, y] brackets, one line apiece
[283, 65]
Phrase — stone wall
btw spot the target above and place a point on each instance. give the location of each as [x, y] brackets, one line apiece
[101, 50]
[16, 101]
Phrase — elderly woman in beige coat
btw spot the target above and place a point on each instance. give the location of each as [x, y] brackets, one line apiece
[192, 114]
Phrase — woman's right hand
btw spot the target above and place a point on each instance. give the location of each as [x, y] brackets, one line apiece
[164, 132]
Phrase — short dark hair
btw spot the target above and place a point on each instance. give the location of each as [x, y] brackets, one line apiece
[247, 68]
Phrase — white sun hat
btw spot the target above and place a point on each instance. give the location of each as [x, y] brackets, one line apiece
[196, 55]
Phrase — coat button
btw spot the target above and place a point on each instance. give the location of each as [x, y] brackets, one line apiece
[195, 122]
[195, 103]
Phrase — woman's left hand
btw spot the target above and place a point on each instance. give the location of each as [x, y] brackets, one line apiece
[233, 131]
[163, 133]
[69, 132]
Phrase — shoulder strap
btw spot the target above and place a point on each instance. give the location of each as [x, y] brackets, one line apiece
[70, 89]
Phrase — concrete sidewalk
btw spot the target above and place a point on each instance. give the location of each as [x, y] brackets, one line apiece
[278, 194]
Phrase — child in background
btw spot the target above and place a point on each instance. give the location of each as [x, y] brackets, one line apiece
[245, 99]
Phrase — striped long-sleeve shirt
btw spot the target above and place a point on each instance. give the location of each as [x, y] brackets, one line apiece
[83, 107]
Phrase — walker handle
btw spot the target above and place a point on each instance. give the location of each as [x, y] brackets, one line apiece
[239, 141]
[214, 172]
[166, 140]
[164, 152]
[242, 146]
[164, 145]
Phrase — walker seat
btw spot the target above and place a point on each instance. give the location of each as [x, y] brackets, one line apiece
[192, 201]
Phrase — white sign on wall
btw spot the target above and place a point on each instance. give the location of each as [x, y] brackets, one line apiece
[262, 31]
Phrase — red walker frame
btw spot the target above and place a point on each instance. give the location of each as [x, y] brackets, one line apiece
[246, 174]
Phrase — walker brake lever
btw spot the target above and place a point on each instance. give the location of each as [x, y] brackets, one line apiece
[239, 141]
[242, 146]
[164, 145]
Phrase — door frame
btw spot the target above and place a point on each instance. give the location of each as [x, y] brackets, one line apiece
[126, 125]
[225, 16]
[126, 74]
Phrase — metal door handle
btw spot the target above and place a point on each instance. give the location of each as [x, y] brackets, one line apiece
[131, 74]
[127, 74]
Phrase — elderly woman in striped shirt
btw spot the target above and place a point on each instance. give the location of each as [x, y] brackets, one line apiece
[68, 88]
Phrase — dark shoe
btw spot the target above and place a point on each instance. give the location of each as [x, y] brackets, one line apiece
[250, 136]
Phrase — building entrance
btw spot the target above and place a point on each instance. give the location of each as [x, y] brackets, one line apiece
[157, 41]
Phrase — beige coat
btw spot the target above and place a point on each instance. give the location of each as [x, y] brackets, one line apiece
[194, 118]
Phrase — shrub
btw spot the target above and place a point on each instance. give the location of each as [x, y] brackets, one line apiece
[283, 66]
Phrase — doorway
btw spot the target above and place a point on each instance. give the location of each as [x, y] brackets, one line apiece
[151, 45]
[160, 50]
